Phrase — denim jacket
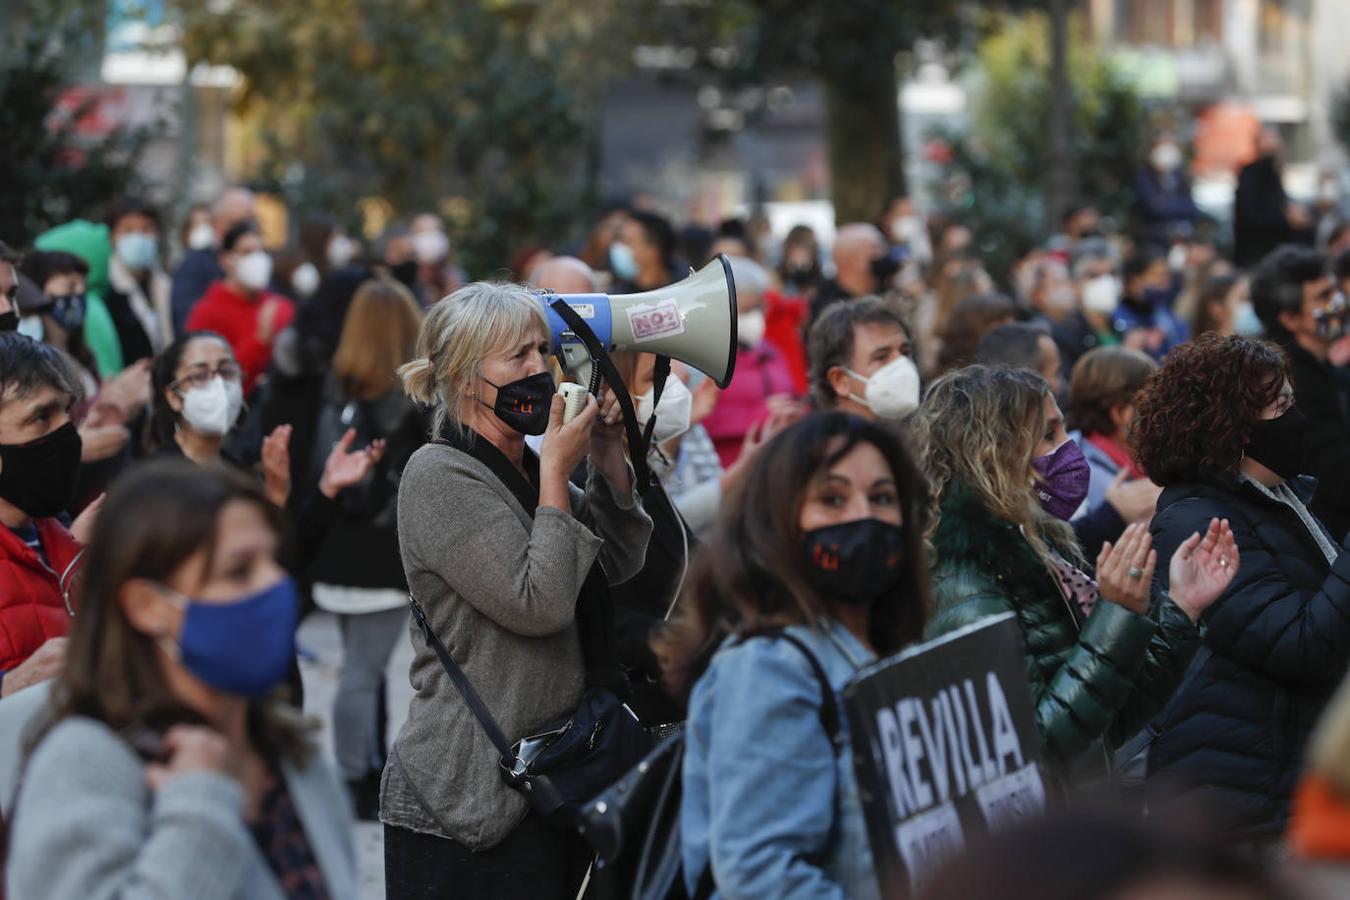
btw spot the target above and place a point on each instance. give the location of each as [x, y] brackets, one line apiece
[765, 794]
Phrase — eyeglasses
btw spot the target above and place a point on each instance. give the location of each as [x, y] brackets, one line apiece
[201, 376]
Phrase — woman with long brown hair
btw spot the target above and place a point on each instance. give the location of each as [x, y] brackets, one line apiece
[169, 766]
[816, 570]
[1102, 655]
[358, 574]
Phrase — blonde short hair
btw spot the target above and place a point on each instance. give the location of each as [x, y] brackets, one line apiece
[458, 334]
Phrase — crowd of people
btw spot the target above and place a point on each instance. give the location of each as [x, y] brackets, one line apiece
[1137, 447]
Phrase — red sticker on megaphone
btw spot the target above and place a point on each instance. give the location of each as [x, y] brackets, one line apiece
[658, 320]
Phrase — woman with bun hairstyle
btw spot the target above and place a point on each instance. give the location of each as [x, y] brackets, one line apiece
[509, 562]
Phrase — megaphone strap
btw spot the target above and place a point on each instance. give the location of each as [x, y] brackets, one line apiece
[637, 444]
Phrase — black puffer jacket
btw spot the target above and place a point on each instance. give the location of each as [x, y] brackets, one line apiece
[1275, 645]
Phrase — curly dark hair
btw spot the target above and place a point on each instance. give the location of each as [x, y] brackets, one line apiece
[1195, 414]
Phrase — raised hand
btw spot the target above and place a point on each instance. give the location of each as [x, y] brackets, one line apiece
[276, 463]
[1202, 568]
[345, 467]
[1125, 571]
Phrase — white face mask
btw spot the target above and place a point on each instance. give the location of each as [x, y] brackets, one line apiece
[254, 270]
[1166, 157]
[213, 409]
[1101, 295]
[341, 249]
[202, 236]
[892, 391]
[672, 413]
[430, 246]
[1176, 257]
[305, 279]
[750, 328]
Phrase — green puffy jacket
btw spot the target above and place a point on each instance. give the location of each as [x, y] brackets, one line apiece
[1103, 682]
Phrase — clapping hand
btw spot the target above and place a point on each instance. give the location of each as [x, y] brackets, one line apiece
[346, 467]
[1202, 568]
[1125, 571]
[276, 463]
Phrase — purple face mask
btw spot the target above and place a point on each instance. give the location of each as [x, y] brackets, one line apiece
[1064, 478]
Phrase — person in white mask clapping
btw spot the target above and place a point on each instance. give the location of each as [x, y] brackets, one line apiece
[197, 399]
[862, 361]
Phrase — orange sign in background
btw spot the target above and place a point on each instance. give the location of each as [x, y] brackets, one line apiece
[1225, 138]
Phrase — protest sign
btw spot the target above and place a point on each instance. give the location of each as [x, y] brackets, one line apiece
[945, 748]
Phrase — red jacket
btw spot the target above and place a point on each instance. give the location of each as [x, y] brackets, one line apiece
[234, 317]
[32, 608]
[783, 317]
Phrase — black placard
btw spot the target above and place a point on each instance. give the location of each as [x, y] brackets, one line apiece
[945, 748]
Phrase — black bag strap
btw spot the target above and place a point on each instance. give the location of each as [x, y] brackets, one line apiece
[829, 706]
[462, 684]
[637, 445]
[659, 376]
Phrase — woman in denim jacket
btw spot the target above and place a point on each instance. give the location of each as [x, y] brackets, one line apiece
[821, 544]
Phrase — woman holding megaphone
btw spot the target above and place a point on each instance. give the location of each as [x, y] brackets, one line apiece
[504, 556]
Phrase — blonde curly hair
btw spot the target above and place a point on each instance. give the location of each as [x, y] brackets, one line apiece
[980, 426]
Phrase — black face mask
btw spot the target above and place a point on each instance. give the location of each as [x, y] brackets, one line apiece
[9, 321]
[1277, 443]
[39, 477]
[406, 272]
[885, 267]
[855, 562]
[524, 404]
[68, 311]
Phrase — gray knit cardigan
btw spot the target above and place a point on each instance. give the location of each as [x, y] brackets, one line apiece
[500, 591]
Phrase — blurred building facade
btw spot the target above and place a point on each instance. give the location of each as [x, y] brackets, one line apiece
[1279, 62]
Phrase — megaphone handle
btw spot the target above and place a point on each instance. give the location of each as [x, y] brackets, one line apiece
[574, 400]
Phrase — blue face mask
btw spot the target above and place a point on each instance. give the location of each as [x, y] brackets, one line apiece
[137, 250]
[621, 261]
[244, 648]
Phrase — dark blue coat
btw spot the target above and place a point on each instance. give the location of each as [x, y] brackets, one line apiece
[1275, 646]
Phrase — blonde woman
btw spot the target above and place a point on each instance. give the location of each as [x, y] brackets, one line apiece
[503, 554]
[357, 573]
[1102, 656]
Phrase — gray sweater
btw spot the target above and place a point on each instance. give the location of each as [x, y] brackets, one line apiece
[86, 827]
[500, 591]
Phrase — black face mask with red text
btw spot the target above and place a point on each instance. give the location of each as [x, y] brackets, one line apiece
[856, 562]
[524, 404]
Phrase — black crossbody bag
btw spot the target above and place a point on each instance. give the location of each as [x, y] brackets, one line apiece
[572, 759]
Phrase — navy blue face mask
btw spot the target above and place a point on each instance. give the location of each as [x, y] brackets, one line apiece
[68, 311]
[245, 647]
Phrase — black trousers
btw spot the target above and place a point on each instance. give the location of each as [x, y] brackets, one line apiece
[535, 862]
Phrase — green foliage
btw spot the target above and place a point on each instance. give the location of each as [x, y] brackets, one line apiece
[476, 109]
[996, 177]
[51, 175]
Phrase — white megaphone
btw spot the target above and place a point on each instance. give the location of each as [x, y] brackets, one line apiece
[693, 321]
